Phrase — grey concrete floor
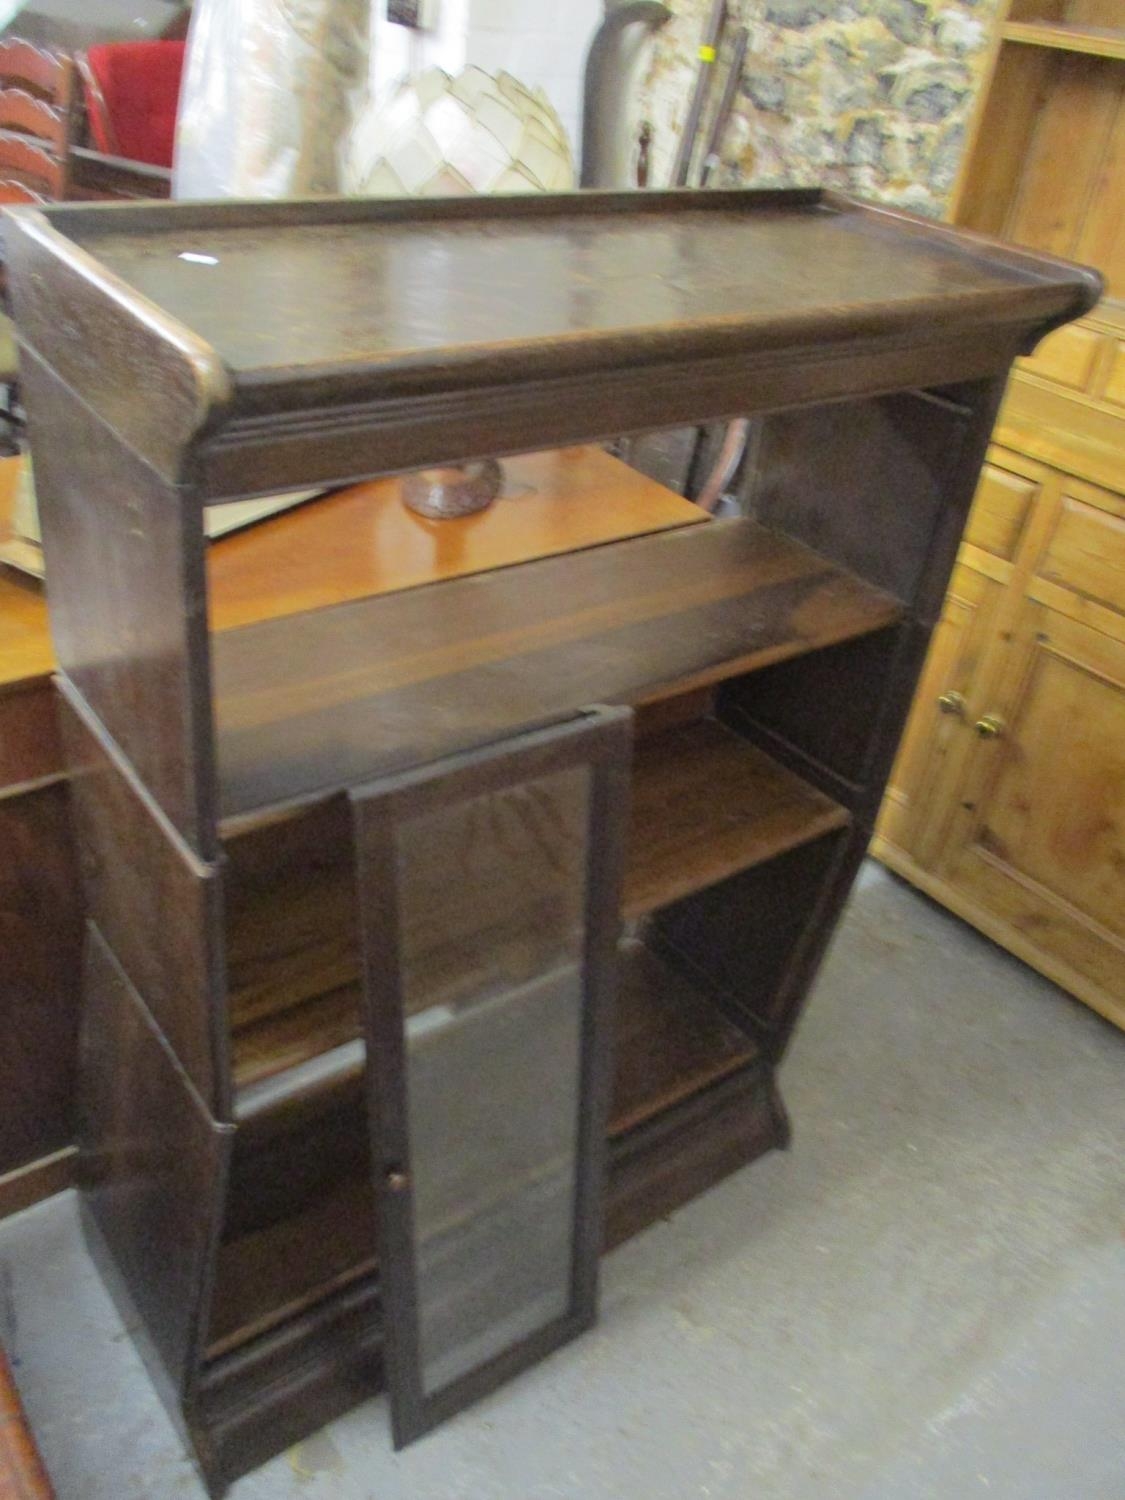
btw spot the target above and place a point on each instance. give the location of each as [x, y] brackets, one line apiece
[923, 1300]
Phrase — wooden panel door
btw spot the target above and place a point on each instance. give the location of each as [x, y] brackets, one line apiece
[490, 897]
[966, 651]
[917, 806]
[1039, 836]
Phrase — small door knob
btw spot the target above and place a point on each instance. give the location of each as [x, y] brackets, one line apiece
[990, 727]
[397, 1182]
[952, 703]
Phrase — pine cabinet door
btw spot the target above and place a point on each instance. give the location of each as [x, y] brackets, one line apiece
[967, 653]
[1039, 836]
[918, 804]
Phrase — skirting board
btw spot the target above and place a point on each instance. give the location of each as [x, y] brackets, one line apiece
[37, 1180]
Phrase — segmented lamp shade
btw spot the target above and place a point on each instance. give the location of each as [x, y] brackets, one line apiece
[442, 136]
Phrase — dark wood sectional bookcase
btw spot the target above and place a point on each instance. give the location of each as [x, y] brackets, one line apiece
[475, 917]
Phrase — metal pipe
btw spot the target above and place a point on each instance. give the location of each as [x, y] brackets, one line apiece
[712, 156]
[726, 465]
[603, 97]
[708, 52]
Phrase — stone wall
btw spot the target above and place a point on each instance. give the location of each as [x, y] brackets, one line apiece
[868, 96]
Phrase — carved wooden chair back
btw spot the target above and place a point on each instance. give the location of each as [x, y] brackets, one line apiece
[38, 102]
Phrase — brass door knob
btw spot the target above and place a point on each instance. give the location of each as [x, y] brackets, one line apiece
[952, 703]
[990, 727]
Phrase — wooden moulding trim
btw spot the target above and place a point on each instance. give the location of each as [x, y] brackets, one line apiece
[194, 386]
[1088, 284]
[264, 213]
[30, 1184]
[1059, 36]
[1029, 309]
[350, 443]
[35, 784]
[115, 219]
[196, 394]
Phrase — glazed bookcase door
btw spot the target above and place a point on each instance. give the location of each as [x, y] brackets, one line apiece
[489, 899]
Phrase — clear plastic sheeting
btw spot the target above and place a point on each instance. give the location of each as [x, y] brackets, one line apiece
[270, 94]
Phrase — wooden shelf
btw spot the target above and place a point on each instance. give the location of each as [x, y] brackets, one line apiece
[361, 541]
[707, 804]
[671, 1042]
[1095, 41]
[311, 705]
[285, 1040]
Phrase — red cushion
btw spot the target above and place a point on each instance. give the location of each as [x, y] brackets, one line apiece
[139, 84]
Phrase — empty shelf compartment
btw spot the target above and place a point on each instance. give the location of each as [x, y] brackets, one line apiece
[311, 705]
[707, 804]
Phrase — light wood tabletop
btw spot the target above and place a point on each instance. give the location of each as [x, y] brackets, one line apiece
[362, 540]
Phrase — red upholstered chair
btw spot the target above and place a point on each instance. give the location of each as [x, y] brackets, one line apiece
[132, 94]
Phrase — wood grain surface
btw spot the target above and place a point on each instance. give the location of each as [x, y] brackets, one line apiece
[418, 297]
[363, 541]
[743, 937]
[349, 693]
[127, 597]
[706, 804]
[302, 1210]
[427, 332]
[671, 1039]
[139, 880]
[152, 1165]
[40, 944]
[294, 879]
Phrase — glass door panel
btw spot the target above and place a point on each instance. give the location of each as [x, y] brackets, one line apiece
[489, 892]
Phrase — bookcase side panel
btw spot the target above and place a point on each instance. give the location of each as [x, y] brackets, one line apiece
[156, 905]
[152, 1168]
[127, 594]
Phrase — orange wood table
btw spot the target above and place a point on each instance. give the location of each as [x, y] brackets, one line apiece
[22, 1475]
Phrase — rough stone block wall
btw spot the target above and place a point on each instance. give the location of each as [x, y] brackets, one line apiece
[868, 96]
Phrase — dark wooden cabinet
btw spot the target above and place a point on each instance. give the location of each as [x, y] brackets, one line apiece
[460, 929]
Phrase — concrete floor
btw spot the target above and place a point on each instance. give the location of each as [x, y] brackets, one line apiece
[923, 1300]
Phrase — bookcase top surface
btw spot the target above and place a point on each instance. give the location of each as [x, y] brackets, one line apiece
[389, 287]
[273, 309]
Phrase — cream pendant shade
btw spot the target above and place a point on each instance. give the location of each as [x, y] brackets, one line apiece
[443, 136]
